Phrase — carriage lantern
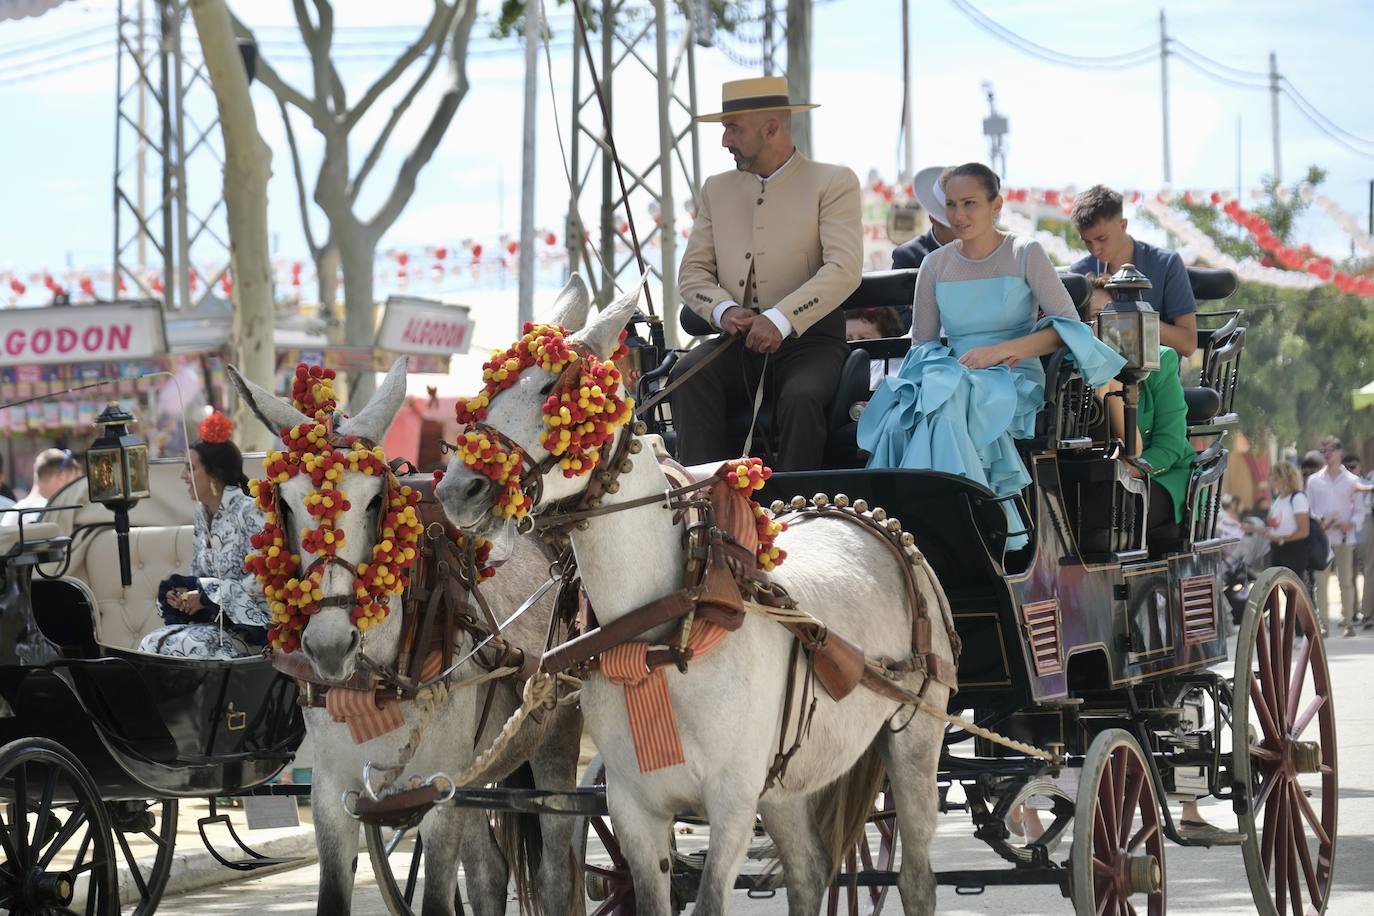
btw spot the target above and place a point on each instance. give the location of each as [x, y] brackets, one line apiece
[1131, 327]
[117, 475]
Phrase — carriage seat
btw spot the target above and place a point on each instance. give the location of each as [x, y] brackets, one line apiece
[34, 531]
[125, 615]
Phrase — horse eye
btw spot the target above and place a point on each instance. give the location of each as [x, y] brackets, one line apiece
[548, 387]
[375, 504]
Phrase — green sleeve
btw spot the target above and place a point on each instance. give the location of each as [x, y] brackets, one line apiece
[1168, 446]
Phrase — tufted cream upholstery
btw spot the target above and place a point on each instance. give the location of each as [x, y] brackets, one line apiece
[160, 543]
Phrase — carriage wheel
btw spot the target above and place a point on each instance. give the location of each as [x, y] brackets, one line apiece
[1117, 863]
[55, 844]
[398, 864]
[157, 822]
[876, 851]
[1284, 768]
[609, 885]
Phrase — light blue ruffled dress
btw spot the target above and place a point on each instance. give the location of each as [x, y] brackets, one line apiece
[934, 412]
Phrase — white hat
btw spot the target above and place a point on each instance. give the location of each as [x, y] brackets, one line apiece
[929, 194]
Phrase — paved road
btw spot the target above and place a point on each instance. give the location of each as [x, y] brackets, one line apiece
[1200, 882]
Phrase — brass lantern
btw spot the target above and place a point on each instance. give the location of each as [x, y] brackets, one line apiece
[117, 475]
[1130, 325]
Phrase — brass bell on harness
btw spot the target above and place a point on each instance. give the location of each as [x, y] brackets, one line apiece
[860, 505]
[635, 446]
[627, 466]
[639, 428]
[820, 500]
[842, 501]
[799, 503]
[879, 514]
[894, 526]
[908, 539]
[777, 507]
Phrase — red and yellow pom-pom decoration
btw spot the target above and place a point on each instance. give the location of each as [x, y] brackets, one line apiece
[749, 475]
[216, 429]
[311, 449]
[580, 417]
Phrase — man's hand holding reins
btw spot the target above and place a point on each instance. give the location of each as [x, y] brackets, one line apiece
[764, 336]
[737, 320]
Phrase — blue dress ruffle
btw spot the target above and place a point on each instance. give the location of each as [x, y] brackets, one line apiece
[936, 413]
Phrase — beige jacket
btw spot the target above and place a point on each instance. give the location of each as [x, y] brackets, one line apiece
[800, 234]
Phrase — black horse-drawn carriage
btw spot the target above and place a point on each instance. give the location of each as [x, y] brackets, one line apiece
[1100, 642]
[98, 742]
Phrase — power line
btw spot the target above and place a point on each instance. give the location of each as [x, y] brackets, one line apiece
[25, 47]
[1109, 62]
[1207, 71]
[1302, 102]
[1236, 71]
[1315, 117]
[60, 67]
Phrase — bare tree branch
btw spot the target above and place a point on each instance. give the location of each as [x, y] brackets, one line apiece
[443, 114]
[325, 13]
[300, 181]
[269, 77]
[375, 154]
[434, 33]
[318, 40]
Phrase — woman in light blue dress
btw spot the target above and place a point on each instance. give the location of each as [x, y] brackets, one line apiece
[959, 407]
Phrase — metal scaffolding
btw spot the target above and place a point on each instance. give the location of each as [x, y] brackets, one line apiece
[170, 241]
[633, 56]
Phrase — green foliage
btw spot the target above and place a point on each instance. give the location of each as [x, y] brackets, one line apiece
[1305, 352]
[724, 13]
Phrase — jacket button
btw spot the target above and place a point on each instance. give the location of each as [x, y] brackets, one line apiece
[746, 256]
[741, 283]
[760, 200]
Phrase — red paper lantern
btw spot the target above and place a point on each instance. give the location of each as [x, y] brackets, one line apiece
[87, 286]
[1052, 198]
[1216, 197]
[227, 285]
[512, 247]
[17, 286]
[403, 259]
[441, 252]
[476, 251]
[550, 239]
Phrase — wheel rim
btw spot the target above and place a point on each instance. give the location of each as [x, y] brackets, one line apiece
[1118, 848]
[55, 844]
[398, 857]
[1284, 749]
[609, 886]
[156, 821]
[876, 851]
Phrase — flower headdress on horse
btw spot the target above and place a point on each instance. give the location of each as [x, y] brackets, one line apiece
[314, 448]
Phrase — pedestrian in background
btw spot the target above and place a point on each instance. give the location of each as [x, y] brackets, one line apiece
[1288, 525]
[1334, 496]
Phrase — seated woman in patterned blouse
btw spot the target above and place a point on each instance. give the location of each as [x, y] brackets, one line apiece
[218, 611]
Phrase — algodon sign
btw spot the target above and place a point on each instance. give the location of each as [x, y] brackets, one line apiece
[422, 326]
[80, 334]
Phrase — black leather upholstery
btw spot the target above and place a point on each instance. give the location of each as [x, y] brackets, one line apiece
[1212, 284]
[894, 288]
[1203, 404]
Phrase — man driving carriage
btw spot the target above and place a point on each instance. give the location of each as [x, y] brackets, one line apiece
[775, 249]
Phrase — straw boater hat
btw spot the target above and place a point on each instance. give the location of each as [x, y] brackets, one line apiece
[761, 93]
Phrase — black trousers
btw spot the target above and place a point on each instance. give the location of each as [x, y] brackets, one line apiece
[802, 378]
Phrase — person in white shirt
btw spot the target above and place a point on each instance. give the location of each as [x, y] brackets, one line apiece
[1335, 498]
[53, 469]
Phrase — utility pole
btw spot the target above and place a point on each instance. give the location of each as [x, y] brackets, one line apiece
[1238, 182]
[1371, 208]
[1164, 94]
[799, 69]
[1274, 112]
[995, 128]
[908, 160]
[770, 49]
[534, 13]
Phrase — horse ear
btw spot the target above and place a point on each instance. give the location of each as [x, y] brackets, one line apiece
[603, 334]
[372, 422]
[274, 413]
[571, 307]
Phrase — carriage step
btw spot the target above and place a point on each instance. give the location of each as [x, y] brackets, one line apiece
[1209, 838]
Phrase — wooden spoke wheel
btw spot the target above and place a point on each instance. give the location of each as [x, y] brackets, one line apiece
[1284, 749]
[1117, 863]
[398, 865]
[155, 821]
[876, 851]
[56, 854]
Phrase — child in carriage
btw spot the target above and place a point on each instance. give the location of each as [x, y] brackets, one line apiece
[218, 611]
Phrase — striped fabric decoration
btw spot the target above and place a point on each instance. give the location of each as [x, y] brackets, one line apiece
[365, 716]
[653, 726]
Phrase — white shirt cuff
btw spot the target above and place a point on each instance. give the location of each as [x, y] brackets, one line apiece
[720, 310]
[779, 321]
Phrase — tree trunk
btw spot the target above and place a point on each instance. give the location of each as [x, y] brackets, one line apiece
[799, 69]
[327, 263]
[247, 167]
[356, 250]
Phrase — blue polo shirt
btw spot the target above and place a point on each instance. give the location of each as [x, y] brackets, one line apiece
[1170, 293]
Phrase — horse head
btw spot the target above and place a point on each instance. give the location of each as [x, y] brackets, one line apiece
[513, 423]
[327, 564]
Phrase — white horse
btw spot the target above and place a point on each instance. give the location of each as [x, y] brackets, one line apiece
[447, 742]
[729, 704]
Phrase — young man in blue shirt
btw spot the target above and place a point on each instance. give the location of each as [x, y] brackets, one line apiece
[1097, 215]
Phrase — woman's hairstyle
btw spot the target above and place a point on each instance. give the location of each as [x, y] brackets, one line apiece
[884, 318]
[991, 183]
[224, 462]
[1286, 478]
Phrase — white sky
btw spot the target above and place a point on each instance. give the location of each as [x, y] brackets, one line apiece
[1068, 127]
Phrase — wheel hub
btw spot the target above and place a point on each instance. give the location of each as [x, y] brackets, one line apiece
[1306, 756]
[49, 888]
[1143, 875]
[598, 888]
